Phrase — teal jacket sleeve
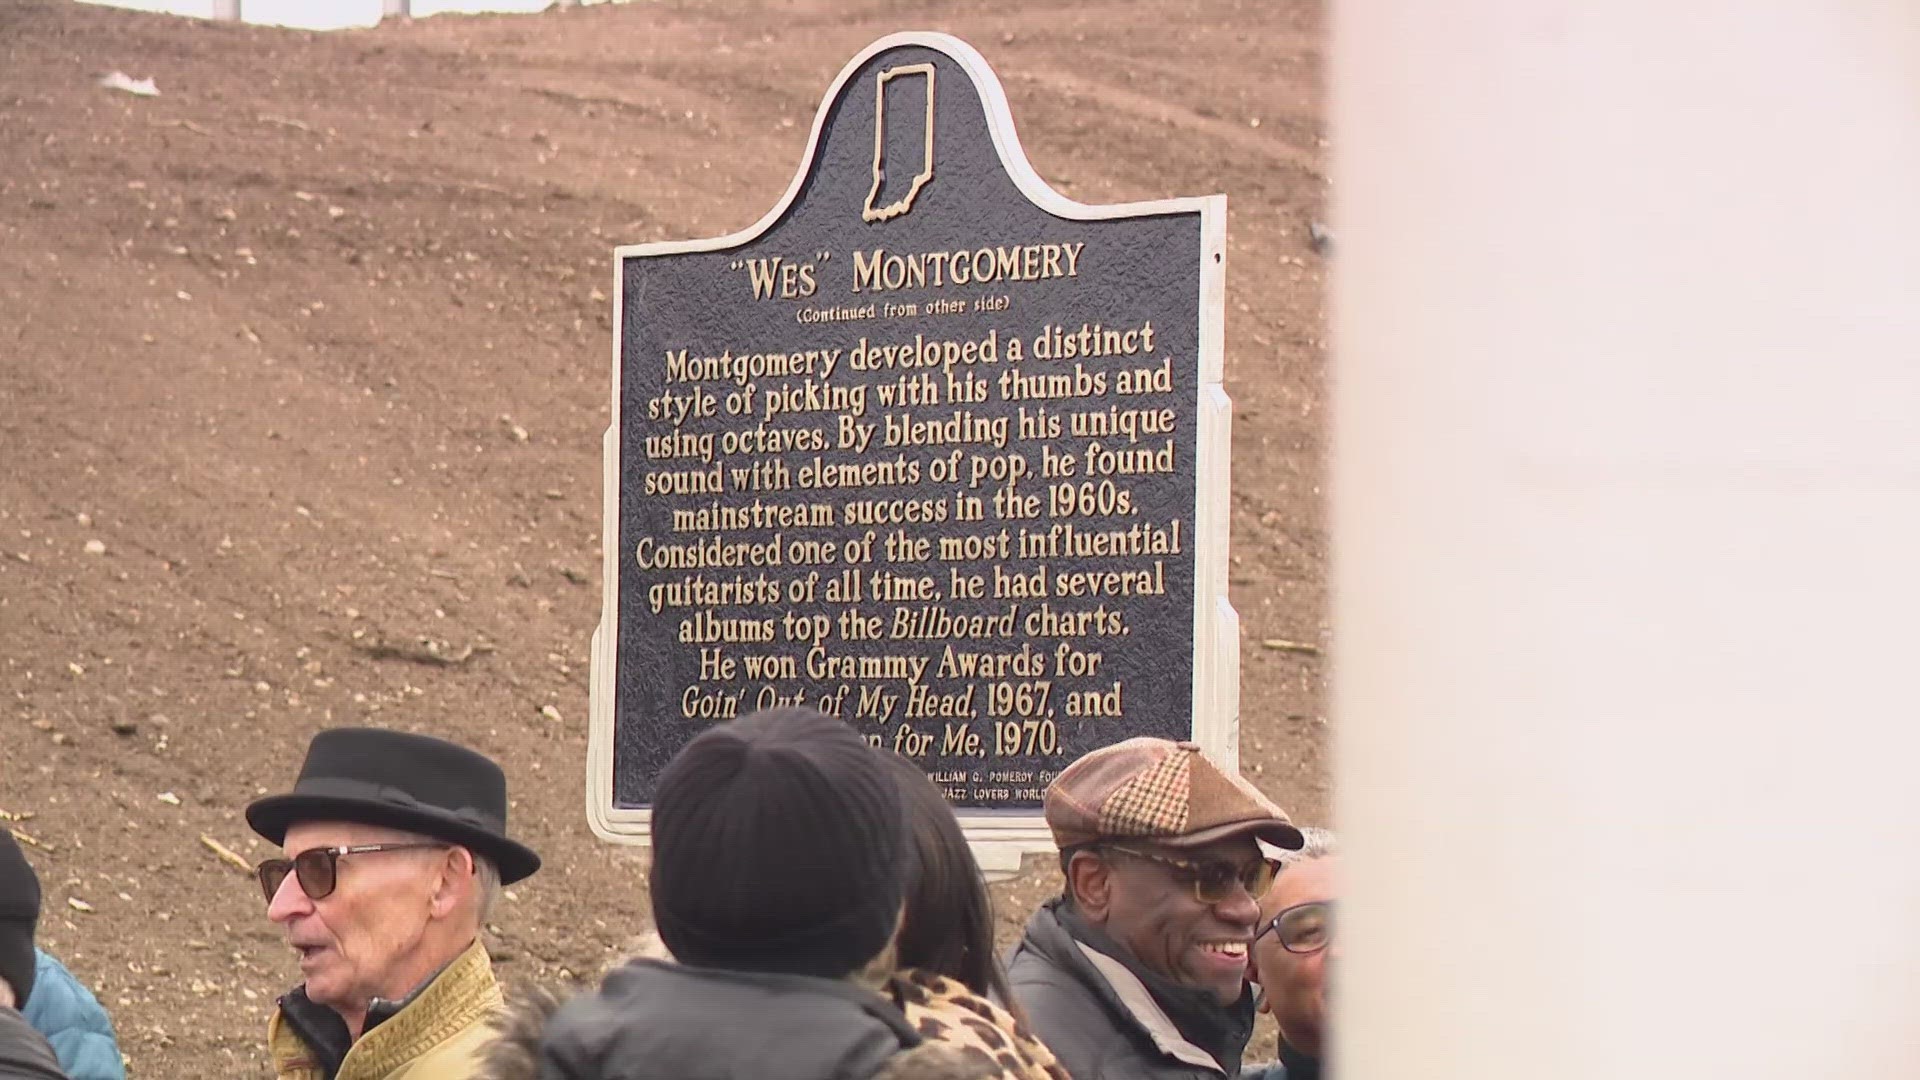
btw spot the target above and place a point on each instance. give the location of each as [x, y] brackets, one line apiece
[72, 1020]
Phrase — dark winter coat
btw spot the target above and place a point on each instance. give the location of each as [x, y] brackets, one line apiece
[656, 1020]
[1104, 1021]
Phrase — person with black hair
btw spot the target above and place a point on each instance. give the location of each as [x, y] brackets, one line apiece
[947, 927]
[947, 977]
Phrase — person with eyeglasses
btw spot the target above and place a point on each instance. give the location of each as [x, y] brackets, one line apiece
[1139, 970]
[1293, 954]
[394, 848]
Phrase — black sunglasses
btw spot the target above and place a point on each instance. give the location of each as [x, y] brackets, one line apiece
[1302, 928]
[318, 869]
[1213, 879]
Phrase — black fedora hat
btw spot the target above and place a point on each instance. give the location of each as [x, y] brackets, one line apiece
[399, 780]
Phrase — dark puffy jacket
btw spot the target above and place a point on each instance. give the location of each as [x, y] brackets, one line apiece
[71, 1018]
[656, 1020]
[1099, 1019]
[24, 1053]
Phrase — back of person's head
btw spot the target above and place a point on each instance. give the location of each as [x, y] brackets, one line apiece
[778, 846]
[947, 927]
[19, 915]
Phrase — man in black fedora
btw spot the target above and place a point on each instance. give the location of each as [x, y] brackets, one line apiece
[395, 845]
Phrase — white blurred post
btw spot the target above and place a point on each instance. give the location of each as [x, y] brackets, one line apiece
[395, 9]
[226, 10]
[1627, 538]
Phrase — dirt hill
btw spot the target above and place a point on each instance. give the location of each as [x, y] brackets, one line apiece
[303, 375]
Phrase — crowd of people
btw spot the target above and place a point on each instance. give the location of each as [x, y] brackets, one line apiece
[818, 915]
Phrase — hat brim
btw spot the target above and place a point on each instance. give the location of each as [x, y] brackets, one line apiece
[1278, 833]
[271, 817]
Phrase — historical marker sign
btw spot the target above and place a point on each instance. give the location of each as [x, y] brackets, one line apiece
[929, 448]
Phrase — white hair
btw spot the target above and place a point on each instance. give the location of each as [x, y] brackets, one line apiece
[486, 877]
[487, 880]
[1318, 844]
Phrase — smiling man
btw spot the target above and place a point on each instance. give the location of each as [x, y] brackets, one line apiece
[394, 848]
[1294, 954]
[1138, 971]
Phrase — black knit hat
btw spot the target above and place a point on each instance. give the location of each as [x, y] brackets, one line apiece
[19, 912]
[779, 846]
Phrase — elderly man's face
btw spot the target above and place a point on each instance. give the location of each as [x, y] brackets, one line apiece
[371, 935]
[1150, 907]
[1296, 983]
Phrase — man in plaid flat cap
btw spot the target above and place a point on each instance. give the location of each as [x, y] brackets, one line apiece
[1139, 971]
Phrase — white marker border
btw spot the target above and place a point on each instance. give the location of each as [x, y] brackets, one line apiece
[998, 840]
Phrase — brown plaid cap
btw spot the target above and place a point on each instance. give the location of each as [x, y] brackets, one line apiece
[1159, 790]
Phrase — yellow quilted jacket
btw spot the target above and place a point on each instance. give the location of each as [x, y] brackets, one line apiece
[439, 1035]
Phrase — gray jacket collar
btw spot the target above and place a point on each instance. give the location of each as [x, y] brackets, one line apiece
[1134, 996]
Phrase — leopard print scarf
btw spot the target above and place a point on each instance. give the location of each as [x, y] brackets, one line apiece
[943, 1010]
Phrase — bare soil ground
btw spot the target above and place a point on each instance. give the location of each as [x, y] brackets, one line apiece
[312, 349]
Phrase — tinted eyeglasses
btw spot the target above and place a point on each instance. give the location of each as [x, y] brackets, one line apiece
[1303, 928]
[318, 869]
[1213, 880]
